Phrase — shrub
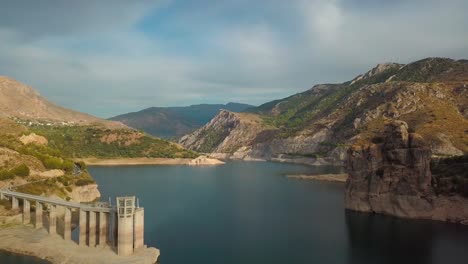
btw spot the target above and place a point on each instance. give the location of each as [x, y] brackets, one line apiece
[6, 175]
[52, 163]
[68, 166]
[83, 182]
[21, 170]
[82, 165]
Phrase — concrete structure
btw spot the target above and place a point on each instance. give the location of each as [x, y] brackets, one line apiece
[103, 228]
[99, 224]
[52, 219]
[92, 229]
[26, 211]
[83, 228]
[125, 213]
[38, 222]
[139, 228]
[67, 224]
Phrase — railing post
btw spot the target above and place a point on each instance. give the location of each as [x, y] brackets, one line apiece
[83, 220]
[26, 211]
[52, 219]
[67, 224]
[92, 229]
[103, 228]
[14, 203]
[38, 223]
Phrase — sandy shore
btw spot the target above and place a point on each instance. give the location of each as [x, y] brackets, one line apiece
[27, 240]
[150, 161]
[134, 161]
[322, 177]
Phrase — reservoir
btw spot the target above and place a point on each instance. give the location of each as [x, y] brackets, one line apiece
[250, 213]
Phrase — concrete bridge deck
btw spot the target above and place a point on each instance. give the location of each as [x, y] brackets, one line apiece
[57, 202]
[121, 227]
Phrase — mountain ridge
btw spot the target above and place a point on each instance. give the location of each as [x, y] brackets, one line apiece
[76, 134]
[21, 101]
[429, 94]
[170, 122]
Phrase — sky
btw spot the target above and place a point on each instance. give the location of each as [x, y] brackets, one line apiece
[111, 57]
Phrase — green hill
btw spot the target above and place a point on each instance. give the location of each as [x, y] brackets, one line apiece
[173, 122]
[431, 95]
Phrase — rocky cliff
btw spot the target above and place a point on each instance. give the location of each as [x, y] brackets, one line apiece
[318, 125]
[393, 176]
[174, 122]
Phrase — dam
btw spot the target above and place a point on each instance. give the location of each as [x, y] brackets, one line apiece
[121, 226]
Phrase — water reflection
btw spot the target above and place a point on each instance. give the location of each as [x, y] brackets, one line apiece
[382, 239]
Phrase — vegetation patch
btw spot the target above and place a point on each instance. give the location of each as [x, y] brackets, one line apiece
[93, 141]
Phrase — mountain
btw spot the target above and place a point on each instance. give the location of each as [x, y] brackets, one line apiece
[21, 101]
[75, 134]
[318, 125]
[29, 162]
[170, 122]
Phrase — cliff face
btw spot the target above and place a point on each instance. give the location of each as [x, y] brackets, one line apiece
[174, 122]
[318, 125]
[393, 177]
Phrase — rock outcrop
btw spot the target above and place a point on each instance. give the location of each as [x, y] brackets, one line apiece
[204, 161]
[393, 177]
[85, 194]
[316, 126]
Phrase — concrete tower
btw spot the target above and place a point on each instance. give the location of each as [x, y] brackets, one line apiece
[125, 214]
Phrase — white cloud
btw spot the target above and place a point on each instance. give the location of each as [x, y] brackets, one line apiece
[98, 60]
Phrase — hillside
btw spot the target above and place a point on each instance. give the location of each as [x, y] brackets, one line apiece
[79, 135]
[173, 122]
[28, 164]
[431, 95]
[23, 102]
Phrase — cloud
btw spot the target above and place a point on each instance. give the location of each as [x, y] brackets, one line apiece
[107, 58]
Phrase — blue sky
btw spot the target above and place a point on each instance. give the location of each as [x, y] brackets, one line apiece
[112, 57]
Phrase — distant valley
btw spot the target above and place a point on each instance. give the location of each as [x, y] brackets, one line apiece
[174, 122]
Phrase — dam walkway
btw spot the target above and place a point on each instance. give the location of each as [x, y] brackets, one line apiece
[120, 226]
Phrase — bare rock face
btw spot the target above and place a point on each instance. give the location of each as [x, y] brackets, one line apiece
[85, 194]
[393, 177]
[33, 139]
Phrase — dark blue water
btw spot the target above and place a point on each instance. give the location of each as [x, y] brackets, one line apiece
[247, 212]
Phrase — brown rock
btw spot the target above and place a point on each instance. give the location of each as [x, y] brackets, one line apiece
[394, 178]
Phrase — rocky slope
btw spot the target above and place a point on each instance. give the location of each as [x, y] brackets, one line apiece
[394, 177]
[174, 122]
[21, 101]
[76, 134]
[318, 125]
[45, 171]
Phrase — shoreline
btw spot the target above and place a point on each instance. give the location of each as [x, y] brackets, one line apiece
[37, 243]
[200, 161]
[133, 161]
[184, 161]
[339, 178]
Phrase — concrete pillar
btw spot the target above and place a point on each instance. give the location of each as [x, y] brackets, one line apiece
[103, 228]
[38, 223]
[14, 203]
[26, 211]
[115, 230]
[52, 219]
[67, 224]
[82, 238]
[92, 229]
[125, 235]
[139, 227]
